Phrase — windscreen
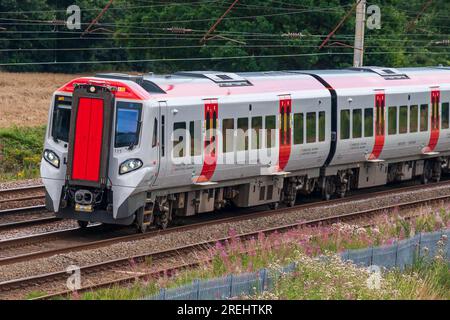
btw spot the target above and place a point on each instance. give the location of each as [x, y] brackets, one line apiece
[128, 117]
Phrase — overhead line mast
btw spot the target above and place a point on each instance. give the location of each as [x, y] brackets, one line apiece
[358, 50]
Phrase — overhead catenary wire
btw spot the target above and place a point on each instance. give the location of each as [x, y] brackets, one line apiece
[204, 58]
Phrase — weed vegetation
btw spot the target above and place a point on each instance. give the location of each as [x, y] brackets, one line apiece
[320, 273]
[20, 152]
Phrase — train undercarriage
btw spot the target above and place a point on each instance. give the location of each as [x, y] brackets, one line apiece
[160, 209]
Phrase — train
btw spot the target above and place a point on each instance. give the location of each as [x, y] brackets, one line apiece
[147, 149]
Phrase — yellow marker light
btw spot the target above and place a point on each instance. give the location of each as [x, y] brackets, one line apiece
[60, 98]
[121, 89]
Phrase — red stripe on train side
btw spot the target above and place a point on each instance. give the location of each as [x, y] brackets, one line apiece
[379, 109]
[88, 140]
[285, 132]
[211, 143]
[434, 134]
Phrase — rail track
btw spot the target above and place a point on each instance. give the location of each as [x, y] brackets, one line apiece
[10, 195]
[56, 242]
[96, 272]
[21, 207]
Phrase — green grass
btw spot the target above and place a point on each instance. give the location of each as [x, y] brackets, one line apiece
[35, 294]
[20, 152]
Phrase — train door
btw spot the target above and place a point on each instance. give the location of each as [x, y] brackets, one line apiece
[435, 119]
[211, 114]
[284, 131]
[159, 141]
[380, 117]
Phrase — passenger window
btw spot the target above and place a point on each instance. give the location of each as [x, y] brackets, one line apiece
[357, 123]
[228, 135]
[256, 132]
[242, 142]
[270, 124]
[195, 132]
[322, 126]
[392, 120]
[310, 127]
[424, 117]
[413, 118]
[345, 124]
[403, 119]
[445, 115]
[298, 128]
[368, 122]
[179, 139]
[155, 133]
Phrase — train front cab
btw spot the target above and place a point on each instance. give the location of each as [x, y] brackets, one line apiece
[95, 164]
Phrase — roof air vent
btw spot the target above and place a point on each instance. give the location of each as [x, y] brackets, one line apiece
[223, 79]
[386, 73]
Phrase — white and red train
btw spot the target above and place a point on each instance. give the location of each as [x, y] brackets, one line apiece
[126, 149]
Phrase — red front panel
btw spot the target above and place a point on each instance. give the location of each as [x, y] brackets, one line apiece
[88, 140]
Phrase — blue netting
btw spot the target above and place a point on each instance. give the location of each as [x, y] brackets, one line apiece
[344, 255]
[218, 288]
[245, 284]
[447, 233]
[406, 251]
[428, 243]
[385, 256]
[186, 292]
[361, 257]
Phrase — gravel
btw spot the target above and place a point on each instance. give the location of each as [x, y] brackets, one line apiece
[38, 229]
[20, 183]
[163, 242]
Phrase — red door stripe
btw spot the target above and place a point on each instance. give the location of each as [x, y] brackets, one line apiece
[88, 140]
[434, 134]
[285, 132]
[379, 109]
[211, 143]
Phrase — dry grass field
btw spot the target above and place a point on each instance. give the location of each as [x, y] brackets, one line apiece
[25, 97]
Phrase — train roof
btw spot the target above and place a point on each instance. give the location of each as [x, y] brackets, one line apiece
[217, 83]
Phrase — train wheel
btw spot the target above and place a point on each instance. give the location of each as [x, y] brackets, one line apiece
[427, 173]
[291, 203]
[82, 224]
[328, 189]
[162, 220]
[273, 205]
[141, 226]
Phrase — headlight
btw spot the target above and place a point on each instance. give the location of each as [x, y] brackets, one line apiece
[130, 165]
[51, 158]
